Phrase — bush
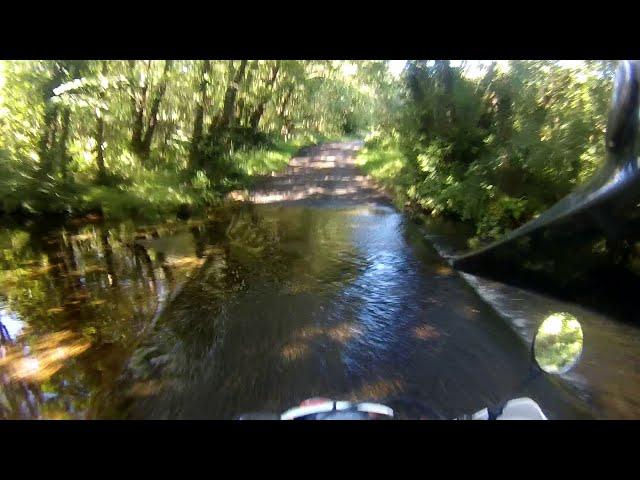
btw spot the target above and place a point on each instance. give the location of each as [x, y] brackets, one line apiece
[495, 152]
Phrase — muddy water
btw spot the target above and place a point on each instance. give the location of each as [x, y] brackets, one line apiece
[256, 308]
[74, 302]
[330, 291]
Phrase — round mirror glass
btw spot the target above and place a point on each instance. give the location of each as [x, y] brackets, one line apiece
[558, 343]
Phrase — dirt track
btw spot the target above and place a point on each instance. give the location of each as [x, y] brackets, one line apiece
[321, 172]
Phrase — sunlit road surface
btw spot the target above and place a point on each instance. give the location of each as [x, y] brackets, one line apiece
[324, 289]
[325, 172]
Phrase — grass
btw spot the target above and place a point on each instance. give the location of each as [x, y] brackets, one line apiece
[148, 193]
[152, 196]
[383, 161]
[266, 161]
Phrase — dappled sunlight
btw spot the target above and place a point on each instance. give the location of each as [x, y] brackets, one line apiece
[187, 238]
[426, 332]
[343, 333]
[42, 270]
[43, 358]
[239, 195]
[315, 162]
[444, 270]
[82, 236]
[294, 351]
[308, 333]
[55, 310]
[315, 174]
[184, 262]
[85, 286]
[298, 348]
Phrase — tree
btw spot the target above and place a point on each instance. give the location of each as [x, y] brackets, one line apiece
[195, 155]
[257, 114]
[55, 128]
[72, 125]
[100, 112]
[144, 128]
[228, 110]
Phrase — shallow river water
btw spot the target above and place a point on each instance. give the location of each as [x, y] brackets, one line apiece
[318, 288]
[254, 308]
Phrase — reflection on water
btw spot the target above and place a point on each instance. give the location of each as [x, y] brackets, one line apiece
[74, 302]
[253, 309]
[308, 301]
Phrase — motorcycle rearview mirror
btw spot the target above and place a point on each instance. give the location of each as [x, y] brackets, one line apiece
[556, 348]
[557, 345]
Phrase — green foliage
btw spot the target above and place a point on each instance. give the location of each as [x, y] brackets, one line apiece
[498, 150]
[382, 159]
[152, 196]
[261, 162]
[144, 136]
[137, 136]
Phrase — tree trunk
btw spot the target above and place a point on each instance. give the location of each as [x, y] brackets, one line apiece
[141, 134]
[48, 133]
[53, 147]
[137, 107]
[230, 95]
[286, 123]
[285, 101]
[62, 159]
[152, 121]
[48, 138]
[102, 170]
[445, 78]
[195, 159]
[240, 111]
[254, 120]
[486, 91]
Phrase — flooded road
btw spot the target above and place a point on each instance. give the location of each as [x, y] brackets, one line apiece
[345, 302]
[606, 378]
[326, 291]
